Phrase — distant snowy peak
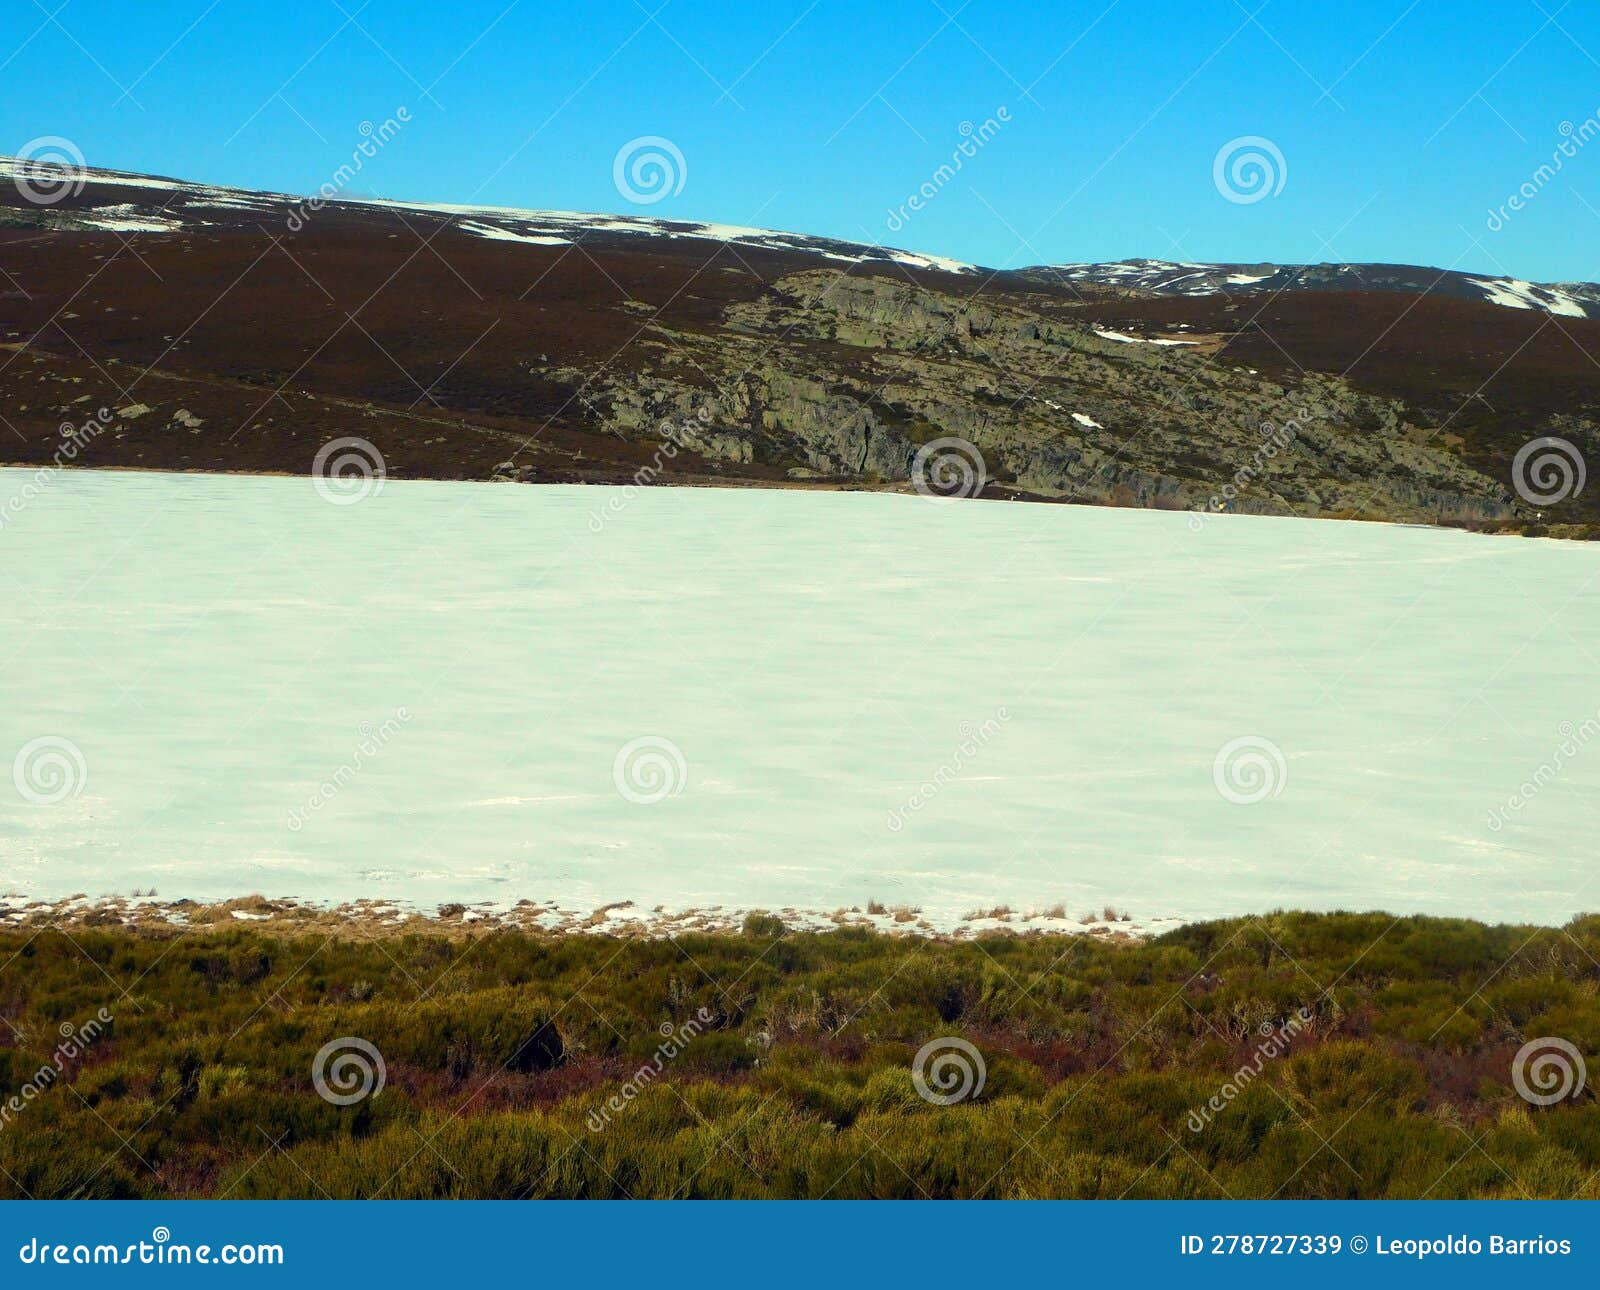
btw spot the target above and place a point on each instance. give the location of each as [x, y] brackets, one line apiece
[114, 201]
[1181, 278]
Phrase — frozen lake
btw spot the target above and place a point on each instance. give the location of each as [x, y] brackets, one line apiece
[215, 686]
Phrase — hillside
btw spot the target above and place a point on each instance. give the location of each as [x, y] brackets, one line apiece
[241, 331]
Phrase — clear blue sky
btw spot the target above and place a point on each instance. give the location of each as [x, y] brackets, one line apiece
[1400, 125]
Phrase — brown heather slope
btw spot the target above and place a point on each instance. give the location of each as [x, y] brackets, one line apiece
[763, 360]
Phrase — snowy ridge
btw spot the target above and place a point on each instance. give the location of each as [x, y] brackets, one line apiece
[106, 204]
[124, 203]
[1185, 278]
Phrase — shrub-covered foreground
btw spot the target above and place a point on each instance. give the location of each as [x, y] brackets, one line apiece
[1290, 1055]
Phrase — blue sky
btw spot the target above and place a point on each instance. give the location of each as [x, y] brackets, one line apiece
[1400, 126]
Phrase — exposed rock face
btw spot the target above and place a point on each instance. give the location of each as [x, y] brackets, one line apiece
[834, 375]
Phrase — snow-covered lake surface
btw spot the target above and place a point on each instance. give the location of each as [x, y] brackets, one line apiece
[234, 686]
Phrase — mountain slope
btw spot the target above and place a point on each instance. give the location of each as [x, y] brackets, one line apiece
[235, 330]
[1170, 278]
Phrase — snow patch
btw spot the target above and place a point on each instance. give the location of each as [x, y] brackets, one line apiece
[497, 234]
[126, 218]
[1126, 339]
[1514, 293]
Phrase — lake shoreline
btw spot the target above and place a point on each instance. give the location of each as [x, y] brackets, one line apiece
[362, 919]
[886, 487]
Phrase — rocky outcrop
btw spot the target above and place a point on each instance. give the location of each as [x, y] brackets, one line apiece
[848, 376]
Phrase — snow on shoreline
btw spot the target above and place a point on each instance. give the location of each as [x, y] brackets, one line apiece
[620, 918]
[1125, 339]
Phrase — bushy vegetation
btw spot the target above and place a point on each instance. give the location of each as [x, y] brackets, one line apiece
[780, 1064]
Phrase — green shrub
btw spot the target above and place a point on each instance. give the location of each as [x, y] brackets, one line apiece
[513, 1063]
